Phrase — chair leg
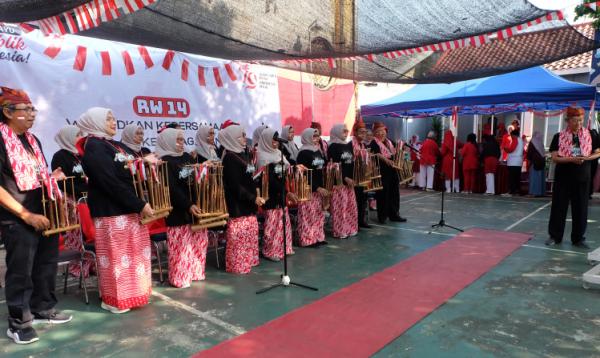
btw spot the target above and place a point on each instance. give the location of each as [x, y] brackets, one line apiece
[160, 273]
[82, 278]
[97, 272]
[217, 252]
[66, 277]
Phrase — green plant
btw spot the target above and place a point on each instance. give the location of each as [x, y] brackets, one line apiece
[436, 126]
[582, 11]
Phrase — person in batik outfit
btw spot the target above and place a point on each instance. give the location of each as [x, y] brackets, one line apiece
[187, 249]
[122, 242]
[344, 215]
[310, 213]
[269, 158]
[242, 200]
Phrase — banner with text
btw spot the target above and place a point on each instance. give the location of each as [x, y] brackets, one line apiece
[66, 75]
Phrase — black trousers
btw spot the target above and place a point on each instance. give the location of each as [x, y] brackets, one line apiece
[388, 199]
[30, 273]
[514, 179]
[565, 192]
[361, 204]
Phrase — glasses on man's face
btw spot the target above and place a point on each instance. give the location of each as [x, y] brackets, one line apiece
[27, 110]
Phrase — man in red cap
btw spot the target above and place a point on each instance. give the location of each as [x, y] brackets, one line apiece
[572, 150]
[30, 256]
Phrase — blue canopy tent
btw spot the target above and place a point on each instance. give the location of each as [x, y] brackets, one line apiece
[534, 89]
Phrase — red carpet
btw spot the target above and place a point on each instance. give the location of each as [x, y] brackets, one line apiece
[362, 318]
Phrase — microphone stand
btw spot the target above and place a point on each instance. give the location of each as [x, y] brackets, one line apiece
[442, 222]
[285, 278]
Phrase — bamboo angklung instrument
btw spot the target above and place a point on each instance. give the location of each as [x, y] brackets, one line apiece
[57, 207]
[299, 182]
[361, 170]
[151, 183]
[208, 193]
[374, 173]
[333, 176]
[402, 165]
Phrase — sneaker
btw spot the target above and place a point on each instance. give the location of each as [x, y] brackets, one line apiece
[551, 242]
[398, 219]
[353, 234]
[113, 309]
[291, 253]
[187, 285]
[22, 336]
[51, 317]
[581, 245]
[274, 259]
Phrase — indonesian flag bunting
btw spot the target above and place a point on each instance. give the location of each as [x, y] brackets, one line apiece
[592, 5]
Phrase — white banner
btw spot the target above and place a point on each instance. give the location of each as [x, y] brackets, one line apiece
[64, 76]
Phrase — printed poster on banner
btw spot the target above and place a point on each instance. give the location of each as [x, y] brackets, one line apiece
[66, 75]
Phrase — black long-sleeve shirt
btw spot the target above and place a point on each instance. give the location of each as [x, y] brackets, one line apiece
[276, 186]
[386, 169]
[316, 162]
[240, 188]
[178, 189]
[31, 200]
[111, 190]
[68, 161]
[342, 153]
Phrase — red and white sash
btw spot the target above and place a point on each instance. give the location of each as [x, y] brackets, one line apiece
[565, 142]
[28, 168]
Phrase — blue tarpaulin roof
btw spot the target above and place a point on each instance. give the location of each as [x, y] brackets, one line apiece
[532, 89]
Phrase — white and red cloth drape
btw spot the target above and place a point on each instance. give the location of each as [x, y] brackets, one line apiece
[273, 234]
[123, 253]
[241, 253]
[311, 221]
[187, 255]
[344, 214]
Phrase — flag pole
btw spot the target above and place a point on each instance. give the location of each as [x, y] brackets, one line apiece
[455, 132]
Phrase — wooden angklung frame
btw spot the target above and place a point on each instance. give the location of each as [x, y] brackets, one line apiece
[374, 174]
[361, 169]
[333, 176]
[402, 165]
[206, 190]
[151, 182]
[299, 182]
[57, 208]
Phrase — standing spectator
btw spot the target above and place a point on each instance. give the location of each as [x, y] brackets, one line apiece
[415, 157]
[572, 150]
[490, 155]
[450, 162]
[513, 145]
[536, 159]
[470, 155]
[429, 155]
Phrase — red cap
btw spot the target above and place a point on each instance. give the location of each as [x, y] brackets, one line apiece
[575, 112]
[228, 123]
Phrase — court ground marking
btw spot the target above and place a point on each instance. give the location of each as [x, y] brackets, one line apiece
[557, 250]
[528, 216]
[233, 329]
[420, 197]
[412, 230]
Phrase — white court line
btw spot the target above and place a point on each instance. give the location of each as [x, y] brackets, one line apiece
[227, 326]
[528, 216]
[550, 249]
[412, 230]
[421, 197]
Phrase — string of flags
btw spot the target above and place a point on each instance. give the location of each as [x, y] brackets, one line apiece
[592, 5]
[473, 41]
[86, 16]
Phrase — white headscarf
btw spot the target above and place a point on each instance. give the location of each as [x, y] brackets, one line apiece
[93, 122]
[203, 147]
[166, 143]
[307, 140]
[266, 153]
[228, 138]
[256, 134]
[336, 134]
[291, 146]
[127, 137]
[65, 138]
